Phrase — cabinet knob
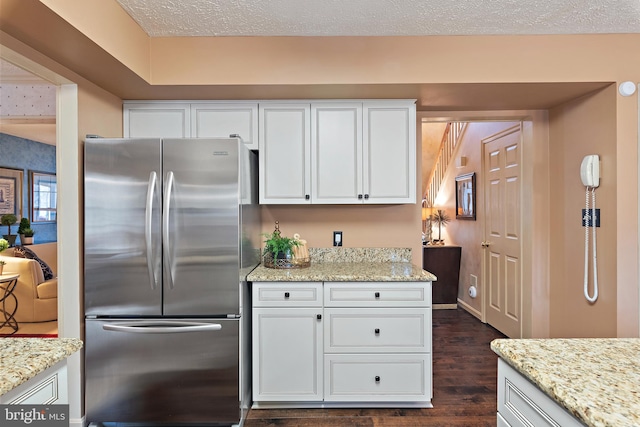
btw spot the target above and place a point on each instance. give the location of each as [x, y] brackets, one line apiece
[286, 294]
[306, 197]
[319, 317]
[377, 294]
[377, 331]
[377, 378]
[366, 196]
[359, 196]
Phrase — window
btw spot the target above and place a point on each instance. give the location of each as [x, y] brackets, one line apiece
[44, 192]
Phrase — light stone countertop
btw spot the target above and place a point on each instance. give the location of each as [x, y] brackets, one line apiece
[595, 379]
[339, 264]
[344, 272]
[23, 358]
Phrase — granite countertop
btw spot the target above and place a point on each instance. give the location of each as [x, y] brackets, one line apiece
[339, 264]
[595, 379]
[344, 272]
[23, 358]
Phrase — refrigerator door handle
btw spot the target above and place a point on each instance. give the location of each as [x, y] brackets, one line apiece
[161, 327]
[165, 227]
[148, 217]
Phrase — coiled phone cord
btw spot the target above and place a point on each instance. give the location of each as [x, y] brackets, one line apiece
[590, 221]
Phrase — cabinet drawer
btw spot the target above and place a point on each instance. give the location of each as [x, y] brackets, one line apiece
[357, 377]
[522, 404]
[377, 294]
[287, 294]
[377, 330]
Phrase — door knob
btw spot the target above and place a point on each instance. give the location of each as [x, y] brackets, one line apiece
[486, 244]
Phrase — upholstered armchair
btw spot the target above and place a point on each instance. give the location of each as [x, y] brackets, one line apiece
[37, 297]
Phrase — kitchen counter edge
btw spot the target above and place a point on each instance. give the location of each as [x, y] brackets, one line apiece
[595, 379]
[23, 358]
[344, 272]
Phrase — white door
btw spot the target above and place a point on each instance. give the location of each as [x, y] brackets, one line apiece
[389, 152]
[285, 158]
[156, 120]
[503, 235]
[219, 120]
[336, 152]
[287, 354]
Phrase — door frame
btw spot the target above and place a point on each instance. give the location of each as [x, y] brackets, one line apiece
[535, 217]
[68, 237]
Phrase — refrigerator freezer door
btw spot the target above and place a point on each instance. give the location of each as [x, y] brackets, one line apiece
[166, 377]
[201, 226]
[122, 188]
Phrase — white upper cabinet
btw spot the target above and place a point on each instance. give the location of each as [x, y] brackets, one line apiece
[284, 159]
[389, 151]
[360, 152]
[336, 152]
[156, 120]
[221, 119]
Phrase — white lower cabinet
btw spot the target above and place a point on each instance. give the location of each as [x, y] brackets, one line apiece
[46, 388]
[333, 344]
[522, 404]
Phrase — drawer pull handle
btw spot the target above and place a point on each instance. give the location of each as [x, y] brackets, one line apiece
[319, 317]
[377, 294]
[286, 294]
[377, 379]
[377, 331]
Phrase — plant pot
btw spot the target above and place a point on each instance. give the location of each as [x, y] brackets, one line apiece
[27, 240]
[1, 268]
[10, 238]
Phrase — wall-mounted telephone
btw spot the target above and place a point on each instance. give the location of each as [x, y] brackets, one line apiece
[590, 174]
[590, 171]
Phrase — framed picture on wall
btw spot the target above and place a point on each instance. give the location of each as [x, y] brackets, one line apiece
[466, 196]
[11, 192]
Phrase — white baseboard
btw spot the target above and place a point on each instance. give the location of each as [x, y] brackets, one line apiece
[77, 422]
[470, 309]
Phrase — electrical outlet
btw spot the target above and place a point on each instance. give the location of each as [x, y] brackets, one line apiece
[474, 280]
[337, 238]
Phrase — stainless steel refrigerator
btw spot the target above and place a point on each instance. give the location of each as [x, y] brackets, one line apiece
[171, 229]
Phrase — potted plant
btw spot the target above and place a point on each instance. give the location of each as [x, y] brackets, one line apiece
[277, 247]
[9, 220]
[24, 224]
[441, 218]
[27, 236]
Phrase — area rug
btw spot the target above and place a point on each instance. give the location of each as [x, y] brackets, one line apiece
[29, 336]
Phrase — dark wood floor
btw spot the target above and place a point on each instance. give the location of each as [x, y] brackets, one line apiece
[464, 385]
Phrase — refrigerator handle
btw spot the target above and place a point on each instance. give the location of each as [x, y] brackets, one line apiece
[148, 217]
[161, 327]
[165, 227]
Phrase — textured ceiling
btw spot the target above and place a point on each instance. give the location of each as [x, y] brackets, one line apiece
[164, 18]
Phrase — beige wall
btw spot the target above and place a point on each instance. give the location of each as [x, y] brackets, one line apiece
[355, 62]
[584, 126]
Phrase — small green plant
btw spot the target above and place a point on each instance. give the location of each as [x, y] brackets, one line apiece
[28, 232]
[442, 219]
[3, 245]
[277, 245]
[24, 224]
[2, 262]
[8, 220]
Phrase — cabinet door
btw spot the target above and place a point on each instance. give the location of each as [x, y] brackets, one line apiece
[336, 153]
[389, 149]
[287, 354]
[285, 148]
[48, 387]
[219, 120]
[156, 120]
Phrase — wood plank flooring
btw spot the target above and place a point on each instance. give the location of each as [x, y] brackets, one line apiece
[464, 385]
